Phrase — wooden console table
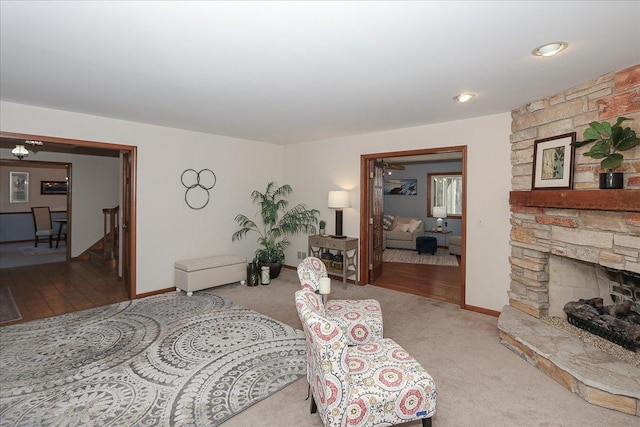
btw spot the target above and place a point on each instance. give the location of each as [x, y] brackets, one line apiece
[348, 247]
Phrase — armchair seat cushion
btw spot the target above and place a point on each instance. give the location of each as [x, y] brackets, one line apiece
[455, 245]
[380, 370]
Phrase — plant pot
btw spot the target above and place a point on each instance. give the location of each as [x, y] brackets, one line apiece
[274, 268]
[611, 180]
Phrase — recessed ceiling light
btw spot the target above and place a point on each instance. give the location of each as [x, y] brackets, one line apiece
[549, 49]
[464, 97]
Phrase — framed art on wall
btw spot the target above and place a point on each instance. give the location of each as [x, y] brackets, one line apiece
[18, 187]
[553, 162]
[53, 187]
[406, 187]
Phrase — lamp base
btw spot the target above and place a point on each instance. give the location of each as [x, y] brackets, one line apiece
[339, 237]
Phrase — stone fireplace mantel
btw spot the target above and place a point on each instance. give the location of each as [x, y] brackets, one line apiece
[606, 200]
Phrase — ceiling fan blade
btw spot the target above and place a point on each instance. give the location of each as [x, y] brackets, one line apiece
[395, 166]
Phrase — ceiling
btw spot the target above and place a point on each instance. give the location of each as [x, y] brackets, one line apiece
[289, 72]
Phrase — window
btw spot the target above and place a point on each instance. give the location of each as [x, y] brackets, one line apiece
[445, 189]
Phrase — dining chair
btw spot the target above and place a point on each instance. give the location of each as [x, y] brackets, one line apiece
[42, 224]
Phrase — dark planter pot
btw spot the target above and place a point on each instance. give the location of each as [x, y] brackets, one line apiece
[274, 268]
[611, 180]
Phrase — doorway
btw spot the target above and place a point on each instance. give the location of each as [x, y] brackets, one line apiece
[371, 269]
[128, 160]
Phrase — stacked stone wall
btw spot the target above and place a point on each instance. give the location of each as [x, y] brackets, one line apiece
[604, 99]
[608, 238]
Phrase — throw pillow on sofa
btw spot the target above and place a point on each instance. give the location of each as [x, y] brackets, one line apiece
[413, 225]
[401, 227]
[387, 220]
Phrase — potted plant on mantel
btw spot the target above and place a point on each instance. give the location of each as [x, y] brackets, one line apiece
[272, 235]
[609, 139]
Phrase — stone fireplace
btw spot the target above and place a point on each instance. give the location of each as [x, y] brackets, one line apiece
[561, 238]
[559, 241]
[578, 229]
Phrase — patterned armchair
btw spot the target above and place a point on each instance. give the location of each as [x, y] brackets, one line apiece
[372, 384]
[360, 320]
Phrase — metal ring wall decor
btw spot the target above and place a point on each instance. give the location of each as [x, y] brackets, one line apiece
[204, 180]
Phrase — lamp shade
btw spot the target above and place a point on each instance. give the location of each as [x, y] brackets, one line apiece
[20, 151]
[439, 212]
[339, 200]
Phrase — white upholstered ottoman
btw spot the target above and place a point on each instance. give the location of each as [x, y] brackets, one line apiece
[202, 273]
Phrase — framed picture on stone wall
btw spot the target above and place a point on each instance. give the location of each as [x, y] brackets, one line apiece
[553, 162]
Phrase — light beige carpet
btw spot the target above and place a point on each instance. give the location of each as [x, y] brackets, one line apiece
[479, 381]
[442, 257]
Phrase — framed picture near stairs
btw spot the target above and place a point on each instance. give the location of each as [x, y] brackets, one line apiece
[18, 187]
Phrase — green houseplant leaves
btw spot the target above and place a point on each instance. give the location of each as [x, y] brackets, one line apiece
[277, 222]
[608, 140]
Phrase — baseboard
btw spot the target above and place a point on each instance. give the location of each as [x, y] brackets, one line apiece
[158, 292]
[481, 310]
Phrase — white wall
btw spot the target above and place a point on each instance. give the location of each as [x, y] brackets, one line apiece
[168, 230]
[317, 167]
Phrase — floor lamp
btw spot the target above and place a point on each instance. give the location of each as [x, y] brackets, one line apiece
[339, 200]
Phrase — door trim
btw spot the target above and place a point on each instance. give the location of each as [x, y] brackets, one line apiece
[132, 152]
[365, 207]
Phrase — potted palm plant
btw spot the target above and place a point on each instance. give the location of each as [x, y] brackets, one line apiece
[277, 224]
[608, 141]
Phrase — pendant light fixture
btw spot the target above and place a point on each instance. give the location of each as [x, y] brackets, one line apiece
[20, 152]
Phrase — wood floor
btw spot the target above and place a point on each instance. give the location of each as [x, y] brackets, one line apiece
[46, 290]
[439, 282]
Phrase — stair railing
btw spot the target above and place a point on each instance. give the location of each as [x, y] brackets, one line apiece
[110, 236]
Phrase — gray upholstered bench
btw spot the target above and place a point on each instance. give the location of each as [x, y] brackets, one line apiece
[201, 273]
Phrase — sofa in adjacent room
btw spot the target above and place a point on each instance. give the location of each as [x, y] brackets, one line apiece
[401, 232]
[455, 245]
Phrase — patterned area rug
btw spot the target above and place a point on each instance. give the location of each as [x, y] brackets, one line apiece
[8, 308]
[442, 257]
[163, 360]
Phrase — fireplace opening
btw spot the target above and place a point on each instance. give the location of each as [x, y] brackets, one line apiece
[617, 323]
[573, 282]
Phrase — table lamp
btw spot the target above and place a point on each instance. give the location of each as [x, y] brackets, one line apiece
[339, 200]
[439, 212]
